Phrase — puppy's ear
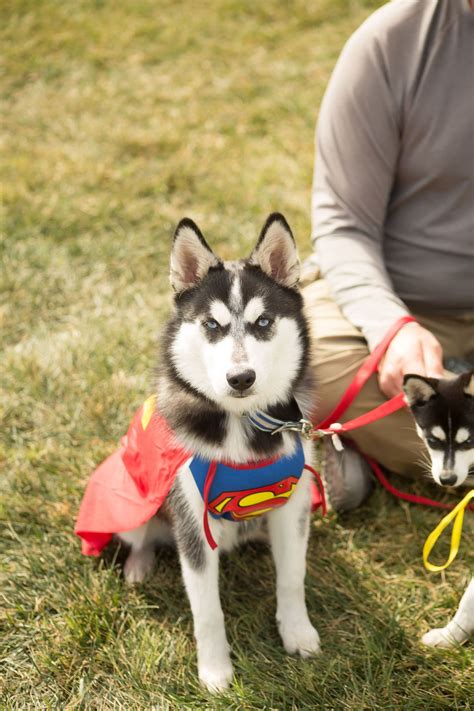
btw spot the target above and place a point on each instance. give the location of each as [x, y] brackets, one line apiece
[191, 256]
[419, 389]
[275, 252]
[468, 384]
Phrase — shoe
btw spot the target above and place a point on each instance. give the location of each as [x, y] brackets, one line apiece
[347, 477]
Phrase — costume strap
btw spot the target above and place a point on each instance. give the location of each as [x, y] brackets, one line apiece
[320, 487]
[211, 473]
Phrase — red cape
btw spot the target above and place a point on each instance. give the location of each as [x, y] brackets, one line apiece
[129, 487]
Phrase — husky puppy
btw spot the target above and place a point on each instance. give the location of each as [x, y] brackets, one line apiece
[236, 343]
[444, 413]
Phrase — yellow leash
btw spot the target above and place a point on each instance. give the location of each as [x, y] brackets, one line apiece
[458, 515]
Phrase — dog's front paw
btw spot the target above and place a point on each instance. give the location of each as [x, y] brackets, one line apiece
[300, 638]
[138, 565]
[440, 637]
[216, 677]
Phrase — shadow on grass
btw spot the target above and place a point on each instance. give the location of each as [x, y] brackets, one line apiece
[78, 632]
[371, 654]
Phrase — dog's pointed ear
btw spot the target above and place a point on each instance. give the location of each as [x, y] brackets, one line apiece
[468, 384]
[419, 389]
[191, 256]
[275, 252]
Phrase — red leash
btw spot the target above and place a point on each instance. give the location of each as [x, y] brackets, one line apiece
[368, 368]
[320, 487]
[386, 408]
[412, 498]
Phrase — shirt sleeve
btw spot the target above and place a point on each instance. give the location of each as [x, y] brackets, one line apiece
[357, 145]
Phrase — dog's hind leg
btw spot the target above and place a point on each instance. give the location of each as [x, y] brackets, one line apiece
[289, 532]
[461, 627]
[142, 541]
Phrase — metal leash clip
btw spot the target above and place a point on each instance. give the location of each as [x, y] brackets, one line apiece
[287, 427]
[308, 431]
[304, 427]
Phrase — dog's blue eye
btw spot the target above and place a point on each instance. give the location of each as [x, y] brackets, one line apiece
[211, 324]
[263, 322]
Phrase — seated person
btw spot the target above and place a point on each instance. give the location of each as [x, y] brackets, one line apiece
[393, 222]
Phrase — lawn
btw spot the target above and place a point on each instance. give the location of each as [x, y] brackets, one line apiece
[119, 118]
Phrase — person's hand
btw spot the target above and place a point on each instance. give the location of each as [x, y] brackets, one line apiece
[413, 350]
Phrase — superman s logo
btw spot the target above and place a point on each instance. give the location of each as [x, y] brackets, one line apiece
[253, 502]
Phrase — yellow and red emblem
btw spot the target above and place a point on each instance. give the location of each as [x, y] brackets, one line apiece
[253, 502]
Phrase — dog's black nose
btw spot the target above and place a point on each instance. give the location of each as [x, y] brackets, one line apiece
[447, 478]
[241, 381]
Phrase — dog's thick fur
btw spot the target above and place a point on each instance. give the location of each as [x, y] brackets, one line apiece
[232, 321]
[444, 413]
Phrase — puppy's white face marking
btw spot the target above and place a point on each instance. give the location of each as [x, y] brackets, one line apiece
[437, 464]
[275, 363]
[462, 435]
[236, 293]
[463, 460]
[254, 309]
[220, 312]
[439, 433]
[204, 365]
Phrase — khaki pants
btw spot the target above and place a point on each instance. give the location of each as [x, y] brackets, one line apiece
[338, 351]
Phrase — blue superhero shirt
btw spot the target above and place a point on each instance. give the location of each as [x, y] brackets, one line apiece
[241, 492]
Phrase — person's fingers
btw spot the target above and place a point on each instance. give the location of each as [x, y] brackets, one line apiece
[414, 350]
[393, 370]
[417, 366]
[390, 380]
[388, 386]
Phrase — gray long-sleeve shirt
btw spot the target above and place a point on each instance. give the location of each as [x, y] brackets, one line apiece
[393, 193]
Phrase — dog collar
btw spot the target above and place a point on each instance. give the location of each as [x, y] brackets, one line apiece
[267, 423]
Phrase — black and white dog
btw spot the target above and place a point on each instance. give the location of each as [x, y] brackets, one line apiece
[237, 343]
[444, 414]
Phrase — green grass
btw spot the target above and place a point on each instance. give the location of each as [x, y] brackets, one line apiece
[120, 118]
